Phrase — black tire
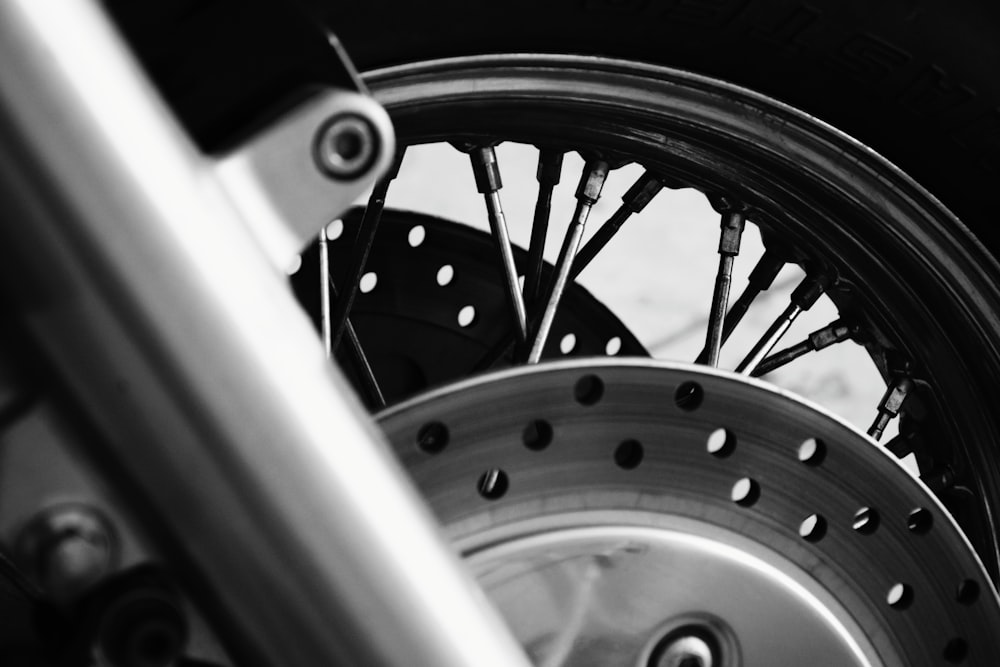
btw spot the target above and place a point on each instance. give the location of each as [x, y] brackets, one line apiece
[914, 79]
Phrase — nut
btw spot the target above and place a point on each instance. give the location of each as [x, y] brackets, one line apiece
[346, 147]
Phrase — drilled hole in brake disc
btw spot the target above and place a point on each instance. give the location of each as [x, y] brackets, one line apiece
[431, 309]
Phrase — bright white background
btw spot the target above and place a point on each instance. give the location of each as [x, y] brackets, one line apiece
[657, 275]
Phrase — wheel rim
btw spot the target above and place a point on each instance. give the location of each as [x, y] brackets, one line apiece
[907, 272]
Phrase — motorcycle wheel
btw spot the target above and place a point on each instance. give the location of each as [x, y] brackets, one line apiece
[900, 233]
[918, 288]
[740, 92]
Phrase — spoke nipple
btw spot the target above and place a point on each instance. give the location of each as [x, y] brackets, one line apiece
[810, 290]
[767, 269]
[830, 335]
[890, 405]
[642, 192]
[733, 224]
[592, 181]
[549, 166]
[346, 146]
[684, 649]
[485, 169]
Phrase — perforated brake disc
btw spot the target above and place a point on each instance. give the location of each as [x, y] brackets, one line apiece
[629, 512]
[427, 271]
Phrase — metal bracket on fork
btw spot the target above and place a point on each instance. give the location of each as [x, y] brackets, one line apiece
[301, 171]
[205, 381]
[289, 162]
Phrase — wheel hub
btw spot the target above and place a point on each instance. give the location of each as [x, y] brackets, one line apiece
[641, 513]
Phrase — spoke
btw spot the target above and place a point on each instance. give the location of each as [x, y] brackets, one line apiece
[589, 190]
[733, 224]
[357, 356]
[324, 292]
[831, 334]
[487, 173]
[364, 370]
[802, 299]
[890, 405]
[363, 242]
[760, 280]
[638, 196]
[549, 170]
[493, 356]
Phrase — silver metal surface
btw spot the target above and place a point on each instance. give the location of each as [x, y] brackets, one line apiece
[672, 492]
[733, 224]
[181, 341]
[803, 297]
[347, 146]
[634, 200]
[325, 327]
[760, 279]
[67, 548]
[595, 595]
[831, 334]
[890, 405]
[771, 337]
[588, 192]
[488, 182]
[273, 179]
[686, 651]
[363, 242]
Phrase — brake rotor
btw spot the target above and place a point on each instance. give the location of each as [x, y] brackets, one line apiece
[630, 512]
[426, 272]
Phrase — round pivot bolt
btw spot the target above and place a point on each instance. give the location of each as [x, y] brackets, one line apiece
[346, 147]
[67, 549]
[684, 649]
[144, 628]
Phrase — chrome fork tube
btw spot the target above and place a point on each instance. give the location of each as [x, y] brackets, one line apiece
[185, 346]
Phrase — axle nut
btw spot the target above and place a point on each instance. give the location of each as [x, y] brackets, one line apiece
[67, 549]
[691, 646]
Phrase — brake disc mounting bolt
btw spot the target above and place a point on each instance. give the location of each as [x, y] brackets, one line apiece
[67, 549]
[346, 146]
[684, 651]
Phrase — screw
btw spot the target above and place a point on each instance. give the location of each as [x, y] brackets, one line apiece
[346, 146]
[689, 646]
[686, 651]
[67, 549]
